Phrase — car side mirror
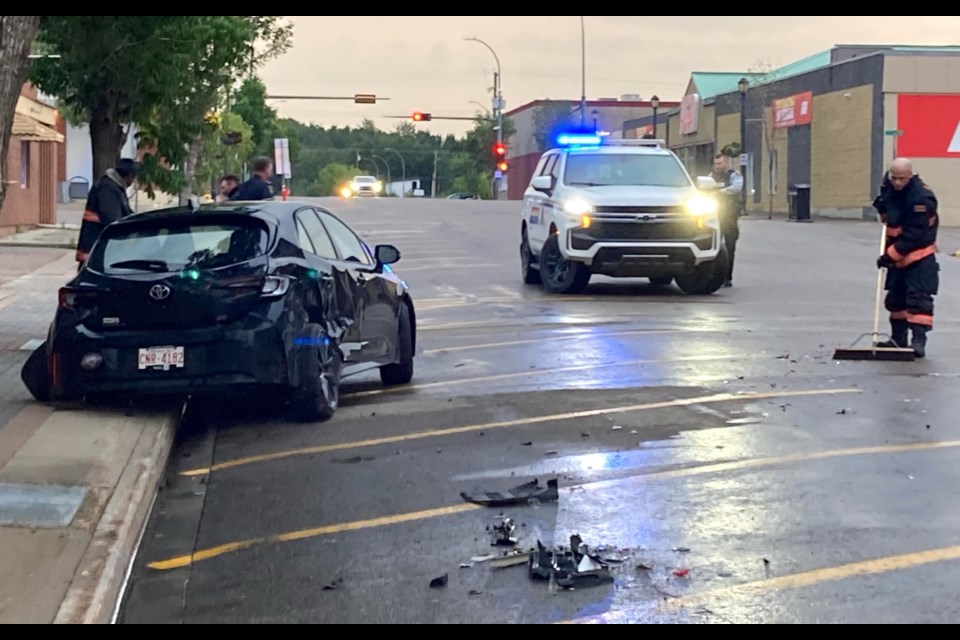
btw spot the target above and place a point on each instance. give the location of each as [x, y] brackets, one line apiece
[706, 183]
[386, 254]
[542, 183]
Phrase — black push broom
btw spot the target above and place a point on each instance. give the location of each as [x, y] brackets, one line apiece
[874, 351]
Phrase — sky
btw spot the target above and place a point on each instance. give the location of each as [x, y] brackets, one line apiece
[424, 63]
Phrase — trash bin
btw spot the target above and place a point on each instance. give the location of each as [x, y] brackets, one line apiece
[792, 202]
[803, 203]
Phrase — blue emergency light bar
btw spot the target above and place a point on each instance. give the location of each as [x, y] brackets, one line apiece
[570, 139]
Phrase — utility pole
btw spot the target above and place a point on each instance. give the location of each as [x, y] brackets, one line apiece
[583, 73]
[433, 191]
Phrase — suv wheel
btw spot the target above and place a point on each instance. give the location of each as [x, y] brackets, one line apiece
[531, 275]
[706, 278]
[560, 275]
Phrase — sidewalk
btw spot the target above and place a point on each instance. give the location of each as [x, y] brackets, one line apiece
[76, 482]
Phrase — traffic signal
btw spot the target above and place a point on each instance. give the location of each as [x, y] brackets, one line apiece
[365, 98]
[502, 166]
[419, 116]
[231, 138]
[500, 150]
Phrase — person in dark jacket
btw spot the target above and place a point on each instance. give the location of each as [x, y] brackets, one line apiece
[909, 209]
[229, 185]
[106, 204]
[258, 186]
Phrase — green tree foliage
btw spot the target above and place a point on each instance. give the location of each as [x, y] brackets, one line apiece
[547, 121]
[219, 157]
[250, 103]
[332, 177]
[162, 73]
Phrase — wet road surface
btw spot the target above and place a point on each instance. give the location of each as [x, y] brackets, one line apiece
[710, 443]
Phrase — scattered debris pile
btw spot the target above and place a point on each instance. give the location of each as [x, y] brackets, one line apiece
[520, 495]
[569, 568]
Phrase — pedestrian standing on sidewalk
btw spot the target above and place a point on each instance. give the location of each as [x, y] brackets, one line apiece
[258, 186]
[229, 185]
[106, 203]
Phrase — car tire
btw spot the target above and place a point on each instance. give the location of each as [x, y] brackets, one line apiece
[35, 374]
[531, 275]
[560, 275]
[401, 372]
[318, 397]
[706, 278]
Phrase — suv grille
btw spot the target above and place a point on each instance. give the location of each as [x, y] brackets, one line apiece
[665, 227]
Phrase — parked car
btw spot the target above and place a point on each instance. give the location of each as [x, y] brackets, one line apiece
[460, 195]
[204, 299]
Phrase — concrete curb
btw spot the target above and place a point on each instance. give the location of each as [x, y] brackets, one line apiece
[39, 245]
[94, 594]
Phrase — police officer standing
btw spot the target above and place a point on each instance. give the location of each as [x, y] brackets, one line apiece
[731, 184]
[909, 209]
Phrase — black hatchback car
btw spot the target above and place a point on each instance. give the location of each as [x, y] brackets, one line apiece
[199, 299]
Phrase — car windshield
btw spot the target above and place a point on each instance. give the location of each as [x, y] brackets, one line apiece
[365, 179]
[624, 169]
[177, 244]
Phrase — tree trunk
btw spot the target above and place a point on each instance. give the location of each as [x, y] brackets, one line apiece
[106, 135]
[190, 168]
[16, 38]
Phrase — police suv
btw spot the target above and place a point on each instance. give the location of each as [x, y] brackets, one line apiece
[620, 208]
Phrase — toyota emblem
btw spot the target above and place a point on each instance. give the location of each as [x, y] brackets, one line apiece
[159, 292]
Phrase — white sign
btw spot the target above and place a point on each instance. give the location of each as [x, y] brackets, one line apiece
[744, 158]
[281, 157]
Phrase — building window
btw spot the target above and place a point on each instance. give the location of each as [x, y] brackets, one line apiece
[24, 164]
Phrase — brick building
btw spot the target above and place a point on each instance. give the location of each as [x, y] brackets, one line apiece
[535, 121]
[33, 164]
[832, 121]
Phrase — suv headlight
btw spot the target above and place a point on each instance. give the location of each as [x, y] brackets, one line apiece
[702, 205]
[577, 207]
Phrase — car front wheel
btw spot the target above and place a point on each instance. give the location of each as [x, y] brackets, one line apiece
[401, 372]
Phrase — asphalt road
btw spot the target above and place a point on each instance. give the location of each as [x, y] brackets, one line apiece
[739, 472]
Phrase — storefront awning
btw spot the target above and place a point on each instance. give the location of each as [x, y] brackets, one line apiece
[27, 128]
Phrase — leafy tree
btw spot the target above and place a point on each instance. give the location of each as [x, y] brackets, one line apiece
[250, 103]
[548, 120]
[160, 72]
[332, 177]
[220, 154]
[16, 37]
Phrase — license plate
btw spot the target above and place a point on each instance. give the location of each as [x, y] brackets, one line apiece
[161, 358]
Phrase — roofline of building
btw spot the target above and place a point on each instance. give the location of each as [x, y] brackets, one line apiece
[664, 104]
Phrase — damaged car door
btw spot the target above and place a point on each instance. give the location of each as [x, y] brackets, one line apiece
[337, 290]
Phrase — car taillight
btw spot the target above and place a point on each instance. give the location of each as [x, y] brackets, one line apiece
[67, 298]
[275, 286]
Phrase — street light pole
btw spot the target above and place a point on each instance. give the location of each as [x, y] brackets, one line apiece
[403, 168]
[655, 103]
[497, 106]
[742, 85]
[387, 165]
[583, 73]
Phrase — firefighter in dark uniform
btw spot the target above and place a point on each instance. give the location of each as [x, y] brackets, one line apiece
[106, 203]
[731, 184]
[909, 209]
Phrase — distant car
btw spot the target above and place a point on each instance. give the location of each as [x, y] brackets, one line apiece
[271, 293]
[366, 186]
[463, 196]
[620, 208]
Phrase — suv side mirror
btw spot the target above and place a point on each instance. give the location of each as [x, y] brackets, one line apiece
[542, 183]
[706, 183]
[386, 254]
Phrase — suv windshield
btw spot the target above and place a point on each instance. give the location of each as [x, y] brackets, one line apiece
[625, 169]
[365, 179]
[177, 244]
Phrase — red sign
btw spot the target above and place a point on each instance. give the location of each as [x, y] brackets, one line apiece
[930, 126]
[689, 113]
[793, 110]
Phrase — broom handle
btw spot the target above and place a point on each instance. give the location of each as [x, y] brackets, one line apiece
[880, 274]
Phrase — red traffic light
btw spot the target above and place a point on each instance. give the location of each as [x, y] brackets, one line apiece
[419, 116]
[500, 149]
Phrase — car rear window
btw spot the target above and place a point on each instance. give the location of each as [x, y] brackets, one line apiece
[177, 244]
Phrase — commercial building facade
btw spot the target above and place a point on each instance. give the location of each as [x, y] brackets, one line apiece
[832, 121]
[33, 164]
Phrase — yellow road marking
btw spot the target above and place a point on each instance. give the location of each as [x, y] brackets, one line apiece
[798, 580]
[556, 417]
[232, 547]
[574, 336]
[537, 372]
[705, 469]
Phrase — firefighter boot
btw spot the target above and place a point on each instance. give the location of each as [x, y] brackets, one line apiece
[919, 339]
[899, 334]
